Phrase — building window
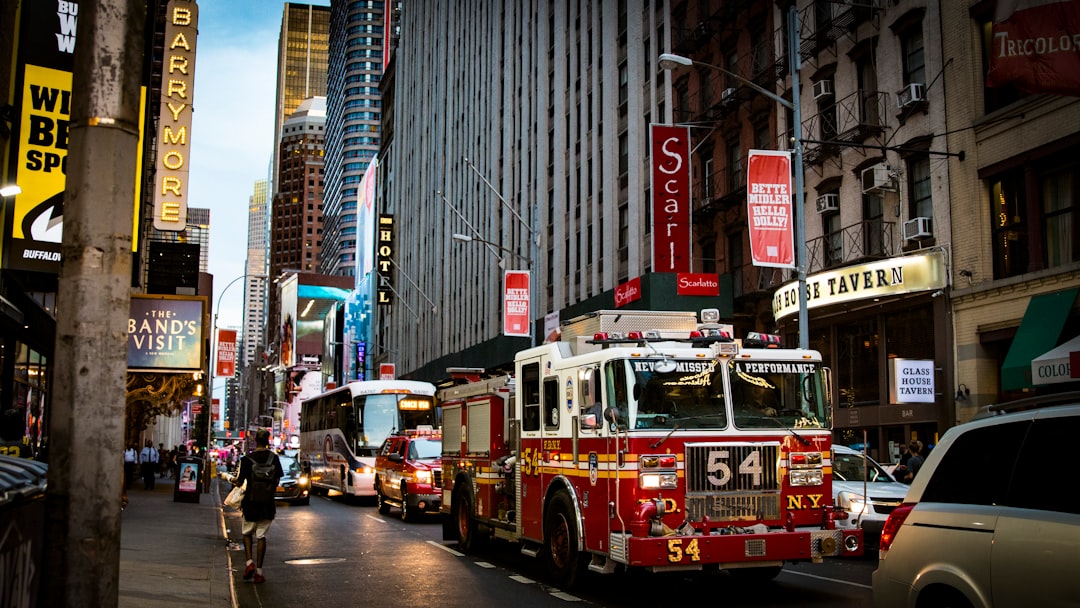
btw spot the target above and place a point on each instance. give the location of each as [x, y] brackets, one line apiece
[921, 203]
[1061, 217]
[834, 238]
[856, 363]
[735, 262]
[736, 179]
[911, 43]
[873, 225]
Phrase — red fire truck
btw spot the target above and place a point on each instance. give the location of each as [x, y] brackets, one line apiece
[647, 440]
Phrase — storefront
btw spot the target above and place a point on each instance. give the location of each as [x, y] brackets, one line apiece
[884, 328]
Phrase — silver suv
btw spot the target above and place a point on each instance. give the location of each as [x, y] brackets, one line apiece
[989, 519]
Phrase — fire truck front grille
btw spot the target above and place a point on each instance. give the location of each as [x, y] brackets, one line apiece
[732, 482]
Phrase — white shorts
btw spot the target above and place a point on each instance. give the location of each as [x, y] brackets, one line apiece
[258, 527]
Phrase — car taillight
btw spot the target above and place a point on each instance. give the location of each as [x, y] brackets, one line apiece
[892, 527]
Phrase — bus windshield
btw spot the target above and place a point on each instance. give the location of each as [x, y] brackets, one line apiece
[377, 417]
[777, 394]
[667, 393]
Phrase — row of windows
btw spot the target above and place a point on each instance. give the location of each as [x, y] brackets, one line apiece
[363, 78]
[364, 29]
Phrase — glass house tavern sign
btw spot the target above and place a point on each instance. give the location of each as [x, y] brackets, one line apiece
[883, 278]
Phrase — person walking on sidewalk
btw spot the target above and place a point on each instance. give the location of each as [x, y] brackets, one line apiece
[131, 465]
[261, 470]
[148, 460]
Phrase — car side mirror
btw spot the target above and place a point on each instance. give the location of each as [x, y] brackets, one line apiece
[395, 457]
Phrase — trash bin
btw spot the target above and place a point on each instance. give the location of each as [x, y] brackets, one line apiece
[22, 525]
[188, 486]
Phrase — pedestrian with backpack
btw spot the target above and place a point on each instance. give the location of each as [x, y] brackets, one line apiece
[261, 470]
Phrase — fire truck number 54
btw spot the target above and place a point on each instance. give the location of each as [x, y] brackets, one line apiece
[676, 552]
[530, 461]
[720, 470]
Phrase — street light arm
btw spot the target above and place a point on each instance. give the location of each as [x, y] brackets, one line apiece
[670, 61]
[464, 238]
[503, 200]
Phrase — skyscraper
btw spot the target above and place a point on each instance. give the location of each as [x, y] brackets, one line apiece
[302, 59]
[296, 214]
[357, 44]
[256, 269]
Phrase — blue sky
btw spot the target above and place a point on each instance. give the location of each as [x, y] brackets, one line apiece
[232, 130]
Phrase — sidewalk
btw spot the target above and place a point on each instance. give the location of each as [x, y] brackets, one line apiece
[174, 553]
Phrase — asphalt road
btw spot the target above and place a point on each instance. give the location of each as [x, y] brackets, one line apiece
[332, 553]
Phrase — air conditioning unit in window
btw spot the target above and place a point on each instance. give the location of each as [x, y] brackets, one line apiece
[910, 95]
[727, 95]
[877, 179]
[918, 228]
[823, 89]
[828, 202]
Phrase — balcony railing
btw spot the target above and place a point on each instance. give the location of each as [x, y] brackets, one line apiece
[851, 119]
[866, 240]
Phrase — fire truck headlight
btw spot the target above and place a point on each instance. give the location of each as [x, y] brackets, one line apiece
[806, 477]
[423, 477]
[659, 481]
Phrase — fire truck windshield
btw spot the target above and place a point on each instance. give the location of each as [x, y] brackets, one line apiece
[691, 396]
[772, 394]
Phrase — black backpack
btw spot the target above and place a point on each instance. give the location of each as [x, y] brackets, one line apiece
[263, 481]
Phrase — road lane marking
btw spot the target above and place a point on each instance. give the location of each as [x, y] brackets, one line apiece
[378, 519]
[831, 580]
[522, 579]
[566, 596]
[484, 564]
[445, 548]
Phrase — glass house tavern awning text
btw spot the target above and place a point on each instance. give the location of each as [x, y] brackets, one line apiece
[894, 276]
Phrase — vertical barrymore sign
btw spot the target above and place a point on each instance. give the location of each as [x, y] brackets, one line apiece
[177, 88]
[670, 198]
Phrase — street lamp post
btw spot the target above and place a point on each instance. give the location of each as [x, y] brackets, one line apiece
[464, 238]
[670, 61]
[213, 359]
[534, 247]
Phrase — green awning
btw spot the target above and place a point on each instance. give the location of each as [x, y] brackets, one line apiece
[1038, 333]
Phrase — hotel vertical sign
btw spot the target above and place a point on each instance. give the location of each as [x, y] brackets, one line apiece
[384, 257]
[177, 88]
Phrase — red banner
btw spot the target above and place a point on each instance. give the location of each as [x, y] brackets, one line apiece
[628, 292]
[1035, 46]
[697, 284]
[768, 201]
[670, 198]
[387, 371]
[516, 303]
[226, 353]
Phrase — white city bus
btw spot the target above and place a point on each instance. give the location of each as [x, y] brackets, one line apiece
[341, 429]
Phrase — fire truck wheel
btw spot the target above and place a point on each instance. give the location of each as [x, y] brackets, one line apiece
[464, 523]
[561, 541]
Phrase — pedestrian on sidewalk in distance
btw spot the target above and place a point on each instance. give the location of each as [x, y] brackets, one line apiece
[131, 465]
[261, 470]
[148, 460]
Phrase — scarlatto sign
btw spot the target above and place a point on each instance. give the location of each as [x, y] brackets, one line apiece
[891, 277]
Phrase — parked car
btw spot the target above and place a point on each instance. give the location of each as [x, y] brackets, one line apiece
[863, 489]
[988, 519]
[407, 474]
[294, 487]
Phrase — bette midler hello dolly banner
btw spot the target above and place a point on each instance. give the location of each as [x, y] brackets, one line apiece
[768, 208]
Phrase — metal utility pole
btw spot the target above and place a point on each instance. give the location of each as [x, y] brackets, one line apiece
[86, 430]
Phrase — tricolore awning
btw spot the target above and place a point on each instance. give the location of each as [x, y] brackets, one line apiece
[1038, 333]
